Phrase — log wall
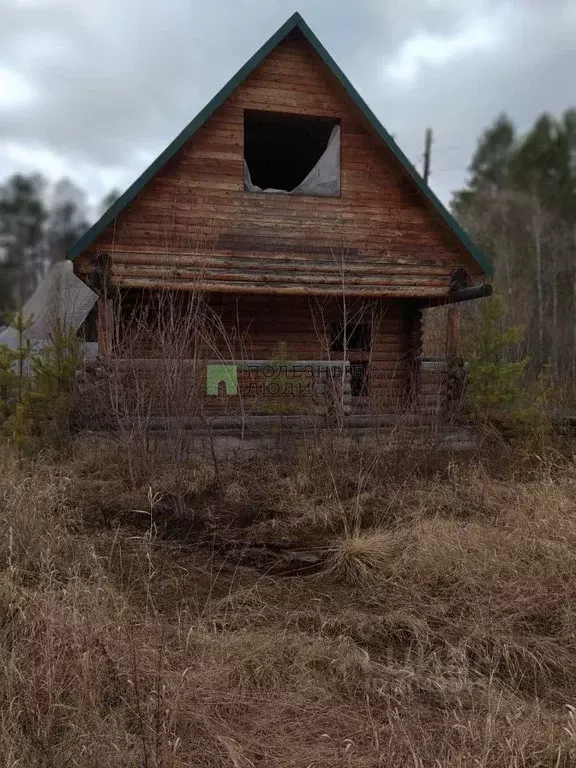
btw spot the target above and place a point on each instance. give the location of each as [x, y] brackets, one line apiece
[243, 328]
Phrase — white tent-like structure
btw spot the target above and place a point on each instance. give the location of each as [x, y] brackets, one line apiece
[61, 295]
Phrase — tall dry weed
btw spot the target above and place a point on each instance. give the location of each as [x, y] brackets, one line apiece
[438, 628]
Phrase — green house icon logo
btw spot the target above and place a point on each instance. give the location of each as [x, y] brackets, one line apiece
[221, 379]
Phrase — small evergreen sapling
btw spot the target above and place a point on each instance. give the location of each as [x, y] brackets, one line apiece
[494, 381]
[15, 384]
[37, 387]
[8, 359]
[54, 371]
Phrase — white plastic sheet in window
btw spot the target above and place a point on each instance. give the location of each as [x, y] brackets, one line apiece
[323, 180]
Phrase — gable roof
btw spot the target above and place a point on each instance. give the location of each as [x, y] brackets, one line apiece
[294, 22]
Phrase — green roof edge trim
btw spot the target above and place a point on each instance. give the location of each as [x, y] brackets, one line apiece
[294, 22]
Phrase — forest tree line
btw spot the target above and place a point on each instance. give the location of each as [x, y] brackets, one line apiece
[39, 221]
[518, 204]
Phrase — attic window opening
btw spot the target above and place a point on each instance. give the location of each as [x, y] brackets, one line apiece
[291, 154]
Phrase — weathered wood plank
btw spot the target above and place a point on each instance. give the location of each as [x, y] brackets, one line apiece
[301, 278]
[277, 262]
[277, 287]
[277, 243]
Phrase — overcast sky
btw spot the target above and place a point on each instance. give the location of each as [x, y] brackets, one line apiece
[95, 90]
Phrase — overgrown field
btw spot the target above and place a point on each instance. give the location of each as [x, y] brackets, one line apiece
[338, 607]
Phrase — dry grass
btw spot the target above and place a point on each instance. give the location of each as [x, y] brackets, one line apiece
[439, 628]
[364, 557]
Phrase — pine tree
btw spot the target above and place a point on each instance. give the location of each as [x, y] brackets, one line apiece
[67, 219]
[493, 380]
[519, 204]
[15, 384]
[37, 387]
[22, 218]
[490, 166]
[53, 372]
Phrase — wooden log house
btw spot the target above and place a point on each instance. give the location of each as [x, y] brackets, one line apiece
[287, 206]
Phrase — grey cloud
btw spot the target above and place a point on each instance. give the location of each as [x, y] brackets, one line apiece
[115, 81]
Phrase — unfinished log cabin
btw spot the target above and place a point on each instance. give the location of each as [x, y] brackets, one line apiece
[295, 243]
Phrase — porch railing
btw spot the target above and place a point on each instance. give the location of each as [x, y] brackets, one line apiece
[278, 384]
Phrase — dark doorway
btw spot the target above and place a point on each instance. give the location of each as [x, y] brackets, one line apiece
[355, 340]
[352, 336]
[359, 378]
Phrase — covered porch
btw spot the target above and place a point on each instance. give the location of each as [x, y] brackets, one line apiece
[244, 355]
